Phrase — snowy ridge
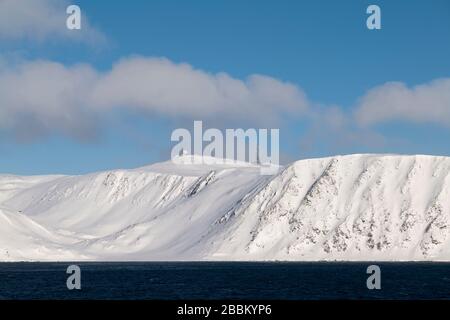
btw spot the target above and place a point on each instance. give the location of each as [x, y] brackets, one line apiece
[356, 207]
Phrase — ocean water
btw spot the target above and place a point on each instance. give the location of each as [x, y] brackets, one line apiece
[225, 280]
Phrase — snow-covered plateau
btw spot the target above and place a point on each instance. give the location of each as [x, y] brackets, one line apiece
[355, 207]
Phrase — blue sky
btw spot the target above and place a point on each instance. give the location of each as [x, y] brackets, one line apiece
[323, 48]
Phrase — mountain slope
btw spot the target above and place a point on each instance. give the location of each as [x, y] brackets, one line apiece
[356, 207]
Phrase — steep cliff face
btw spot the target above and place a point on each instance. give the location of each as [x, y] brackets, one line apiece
[356, 207]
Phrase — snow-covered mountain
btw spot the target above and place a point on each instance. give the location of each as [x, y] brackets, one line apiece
[356, 207]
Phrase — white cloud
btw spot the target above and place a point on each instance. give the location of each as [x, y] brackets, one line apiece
[42, 20]
[157, 84]
[426, 103]
[44, 96]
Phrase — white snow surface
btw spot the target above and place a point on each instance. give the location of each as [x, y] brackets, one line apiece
[354, 207]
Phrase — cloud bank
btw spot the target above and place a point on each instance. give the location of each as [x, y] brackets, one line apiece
[45, 96]
[425, 103]
[42, 97]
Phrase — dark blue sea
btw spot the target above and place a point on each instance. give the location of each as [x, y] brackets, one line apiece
[225, 280]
